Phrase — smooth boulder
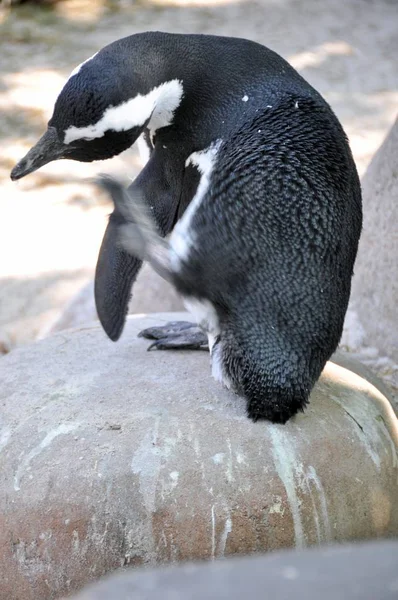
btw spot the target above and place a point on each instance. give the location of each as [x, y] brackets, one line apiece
[375, 283]
[150, 294]
[111, 456]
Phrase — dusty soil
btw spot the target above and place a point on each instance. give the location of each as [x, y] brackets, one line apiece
[52, 222]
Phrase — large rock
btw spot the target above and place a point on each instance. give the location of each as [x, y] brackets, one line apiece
[375, 284]
[150, 294]
[113, 456]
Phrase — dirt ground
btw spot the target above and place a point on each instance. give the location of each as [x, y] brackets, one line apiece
[52, 222]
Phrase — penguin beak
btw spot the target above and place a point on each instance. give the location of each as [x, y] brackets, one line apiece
[47, 149]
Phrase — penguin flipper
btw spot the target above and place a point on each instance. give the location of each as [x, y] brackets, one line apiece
[115, 274]
[133, 231]
[117, 267]
[136, 232]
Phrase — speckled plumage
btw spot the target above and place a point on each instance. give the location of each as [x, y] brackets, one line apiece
[272, 241]
[277, 236]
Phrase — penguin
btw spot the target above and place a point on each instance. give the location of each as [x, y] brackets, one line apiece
[251, 173]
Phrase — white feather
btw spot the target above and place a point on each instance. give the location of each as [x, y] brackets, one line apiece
[77, 69]
[183, 238]
[144, 149]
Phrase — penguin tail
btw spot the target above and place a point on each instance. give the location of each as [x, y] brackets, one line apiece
[276, 396]
[276, 382]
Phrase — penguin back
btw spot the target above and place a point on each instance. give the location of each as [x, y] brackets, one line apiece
[273, 245]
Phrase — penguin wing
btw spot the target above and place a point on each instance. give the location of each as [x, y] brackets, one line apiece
[159, 186]
[115, 274]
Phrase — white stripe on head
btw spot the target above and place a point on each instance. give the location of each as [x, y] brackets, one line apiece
[158, 105]
[182, 238]
[77, 69]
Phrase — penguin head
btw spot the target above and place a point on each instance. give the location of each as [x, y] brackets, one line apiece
[101, 111]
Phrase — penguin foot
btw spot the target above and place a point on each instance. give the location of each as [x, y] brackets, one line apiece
[176, 335]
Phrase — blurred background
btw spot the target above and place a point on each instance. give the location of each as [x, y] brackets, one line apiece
[52, 222]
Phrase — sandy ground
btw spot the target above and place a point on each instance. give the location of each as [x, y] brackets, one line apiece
[52, 222]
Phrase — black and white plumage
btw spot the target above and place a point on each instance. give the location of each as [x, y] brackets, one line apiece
[251, 171]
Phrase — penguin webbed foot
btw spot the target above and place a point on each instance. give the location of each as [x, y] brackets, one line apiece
[176, 335]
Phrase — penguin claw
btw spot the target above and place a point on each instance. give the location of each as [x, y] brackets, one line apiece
[179, 342]
[162, 331]
[176, 335]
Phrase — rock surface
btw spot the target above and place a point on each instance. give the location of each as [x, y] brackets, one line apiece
[375, 284]
[113, 456]
[366, 571]
[150, 294]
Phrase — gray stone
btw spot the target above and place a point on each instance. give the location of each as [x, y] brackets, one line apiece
[111, 456]
[356, 571]
[150, 294]
[374, 297]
